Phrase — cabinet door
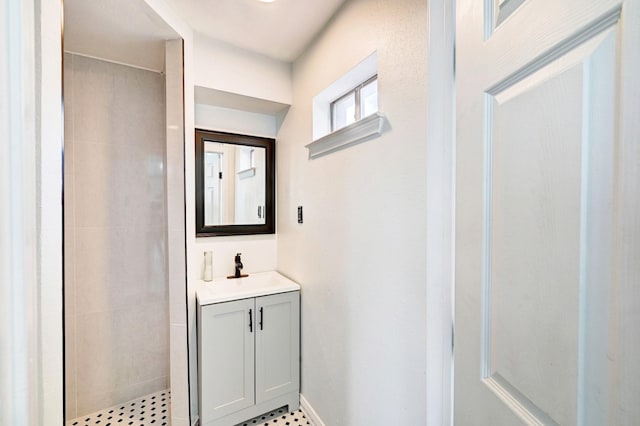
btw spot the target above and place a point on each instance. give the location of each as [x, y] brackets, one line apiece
[226, 358]
[277, 345]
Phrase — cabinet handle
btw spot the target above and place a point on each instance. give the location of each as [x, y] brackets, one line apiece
[250, 321]
[261, 318]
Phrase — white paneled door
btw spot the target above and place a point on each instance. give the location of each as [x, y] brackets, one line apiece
[547, 325]
[212, 188]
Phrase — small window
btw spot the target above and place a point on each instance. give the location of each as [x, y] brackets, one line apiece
[355, 104]
[246, 158]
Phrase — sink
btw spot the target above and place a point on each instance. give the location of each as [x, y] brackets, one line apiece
[257, 284]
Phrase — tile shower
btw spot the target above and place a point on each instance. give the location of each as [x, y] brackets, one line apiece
[115, 238]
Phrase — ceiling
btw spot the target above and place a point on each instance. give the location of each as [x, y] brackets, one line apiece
[280, 30]
[130, 32]
[123, 31]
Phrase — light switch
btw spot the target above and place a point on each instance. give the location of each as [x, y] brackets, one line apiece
[299, 214]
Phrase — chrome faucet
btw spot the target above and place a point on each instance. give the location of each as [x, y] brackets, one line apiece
[239, 266]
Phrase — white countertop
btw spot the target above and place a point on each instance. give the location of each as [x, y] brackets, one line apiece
[257, 284]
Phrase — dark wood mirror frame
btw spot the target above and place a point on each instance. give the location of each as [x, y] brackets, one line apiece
[269, 226]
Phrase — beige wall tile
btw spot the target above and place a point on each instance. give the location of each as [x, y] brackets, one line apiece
[118, 186]
[93, 93]
[148, 335]
[68, 99]
[102, 358]
[69, 272]
[70, 361]
[117, 104]
[119, 267]
[117, 334]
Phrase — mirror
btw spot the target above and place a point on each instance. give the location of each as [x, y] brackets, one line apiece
[235, 184]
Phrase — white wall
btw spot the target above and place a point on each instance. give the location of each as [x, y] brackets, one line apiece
[49, 72]
[258, 251]
[224, 67]
[209, 117]
[264, 81]
[360, 255]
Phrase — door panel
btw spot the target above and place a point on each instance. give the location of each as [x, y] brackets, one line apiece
[542, 224]
[227, 342]
[534, 199]
[537, 159]
[213, 208]
[277, 345]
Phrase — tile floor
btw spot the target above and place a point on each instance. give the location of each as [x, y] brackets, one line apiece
[150, 410]
[279, 417]
[155, 409]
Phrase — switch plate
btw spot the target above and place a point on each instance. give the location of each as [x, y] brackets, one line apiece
[299, 214]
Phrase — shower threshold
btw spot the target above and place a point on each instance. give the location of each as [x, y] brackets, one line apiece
[149, 410]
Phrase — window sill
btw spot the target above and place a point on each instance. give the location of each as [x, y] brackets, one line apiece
[243, 174]
[365, 129]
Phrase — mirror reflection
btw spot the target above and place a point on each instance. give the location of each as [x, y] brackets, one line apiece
[234, 184]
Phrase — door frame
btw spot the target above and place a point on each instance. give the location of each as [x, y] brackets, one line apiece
[31, 272]
[440, 262]
[440, 222]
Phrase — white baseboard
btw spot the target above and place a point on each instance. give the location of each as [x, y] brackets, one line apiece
[307, 408]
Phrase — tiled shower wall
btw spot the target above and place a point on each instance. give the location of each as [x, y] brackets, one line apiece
[116, 294]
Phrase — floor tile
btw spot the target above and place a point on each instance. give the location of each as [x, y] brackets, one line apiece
[279, 417]
[150, 410]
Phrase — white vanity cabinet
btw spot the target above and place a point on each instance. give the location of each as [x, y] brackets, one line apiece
[248, 356]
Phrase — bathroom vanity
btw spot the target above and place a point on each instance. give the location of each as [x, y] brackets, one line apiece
[248, 347]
